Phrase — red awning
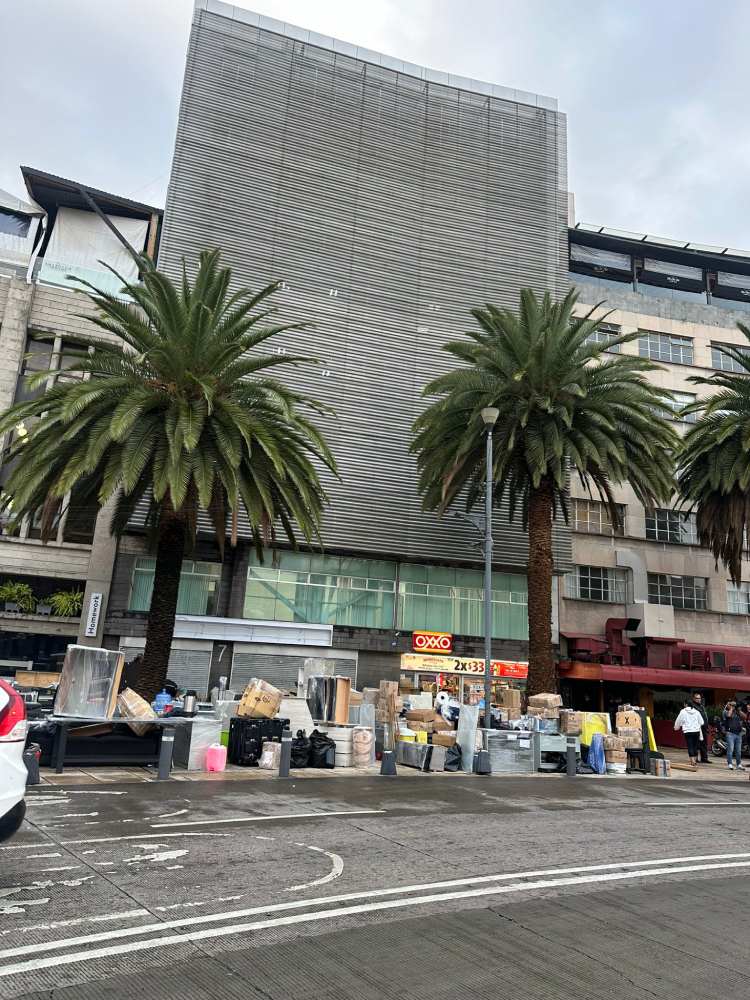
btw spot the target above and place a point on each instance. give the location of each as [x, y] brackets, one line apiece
[650, 676]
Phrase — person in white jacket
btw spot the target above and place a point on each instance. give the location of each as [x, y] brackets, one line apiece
[690, 721]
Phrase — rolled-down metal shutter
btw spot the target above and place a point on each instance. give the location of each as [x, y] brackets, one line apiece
[189, 668]
[276, 668]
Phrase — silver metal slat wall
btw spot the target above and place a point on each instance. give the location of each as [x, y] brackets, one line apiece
[390, 205]
[280, 670]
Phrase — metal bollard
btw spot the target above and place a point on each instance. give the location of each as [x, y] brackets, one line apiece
[570, 757]
[388, 764]
[285, 757]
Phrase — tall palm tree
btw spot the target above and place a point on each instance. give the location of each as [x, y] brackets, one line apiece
[714, 462]
[565, 406]
[180, 410]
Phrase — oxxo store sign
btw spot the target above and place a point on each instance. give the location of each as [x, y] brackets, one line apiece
[470, 665]
[432, 642]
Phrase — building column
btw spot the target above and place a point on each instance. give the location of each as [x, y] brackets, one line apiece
[99, 579]
[13, 330]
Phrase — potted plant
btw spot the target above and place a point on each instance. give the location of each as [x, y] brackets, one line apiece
[44, 607]
[67, 603]
[17, 597]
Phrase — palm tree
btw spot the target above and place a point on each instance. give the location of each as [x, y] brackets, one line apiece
[714, 462]
[178, 410]
[565, 406]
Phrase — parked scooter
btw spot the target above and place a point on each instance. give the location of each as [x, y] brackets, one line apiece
[719, 745]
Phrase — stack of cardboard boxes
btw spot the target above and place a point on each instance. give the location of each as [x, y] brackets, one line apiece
[546, 709]
[431, 722]
[615, 754]
[629, 728]
[509, 702]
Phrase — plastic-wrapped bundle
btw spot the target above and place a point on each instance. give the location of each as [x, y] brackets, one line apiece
[320, 692]
[596, 759]
[363, 746]
[270, 756]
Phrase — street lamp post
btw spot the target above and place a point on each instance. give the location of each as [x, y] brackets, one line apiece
[489, 416]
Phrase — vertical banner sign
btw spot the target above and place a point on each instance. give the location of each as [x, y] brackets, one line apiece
[92, 617]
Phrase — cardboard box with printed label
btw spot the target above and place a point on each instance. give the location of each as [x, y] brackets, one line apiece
[444, 739]
[571, 723]
[632, 738]
[616, 756]
[628, 719]
[613, 742]
[545, 701]
[509, 698]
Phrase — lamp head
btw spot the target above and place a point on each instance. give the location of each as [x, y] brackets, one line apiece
[490, 415]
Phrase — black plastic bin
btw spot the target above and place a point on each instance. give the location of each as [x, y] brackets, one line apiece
[31, 755]
[247, 736]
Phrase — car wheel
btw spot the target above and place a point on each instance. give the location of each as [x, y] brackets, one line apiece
[11, 821]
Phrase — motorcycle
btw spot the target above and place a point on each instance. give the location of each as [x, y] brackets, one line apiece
[719, 744]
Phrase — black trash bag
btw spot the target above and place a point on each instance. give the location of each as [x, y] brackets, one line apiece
[322, 751]
[300, 750]
[452, 758]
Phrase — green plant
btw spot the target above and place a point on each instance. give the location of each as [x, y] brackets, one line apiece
[565, 407]
[13, 591]
[66, 603]
[177, 409]
[714, 461]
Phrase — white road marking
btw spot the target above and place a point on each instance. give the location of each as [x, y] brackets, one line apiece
[75, 815]
[31, 857]
[6, 909]
[268, 819]
[92, 791]
[591, 871]
[337, 867]
[157, 856]
[344, 911]
[23, 847]
[65, 868]
[180, 812]
[202, 902]
[48, 802]
[714, 803]
[76, 921]
[133, 836]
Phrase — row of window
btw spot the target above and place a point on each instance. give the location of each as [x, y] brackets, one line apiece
[670, 348]
[364, 593]
[611, 585]
[662, 525]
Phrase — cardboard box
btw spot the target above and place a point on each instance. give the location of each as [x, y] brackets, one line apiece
[545, 701]
[509, 698]
[571, 723]
[627, 719]
[260, 700]
[616, 756]
[420, 727]
[632, 738]
[613, 743]
[444, 739]
[544, 713]
[420, 715]
[661, 768]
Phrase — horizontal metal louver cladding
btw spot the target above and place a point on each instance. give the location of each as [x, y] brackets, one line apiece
[389, 205]
[600, 258]
[279, 670]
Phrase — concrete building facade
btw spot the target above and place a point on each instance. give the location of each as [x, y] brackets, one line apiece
[684, 302]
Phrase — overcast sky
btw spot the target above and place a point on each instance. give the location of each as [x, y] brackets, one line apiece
[655, 91]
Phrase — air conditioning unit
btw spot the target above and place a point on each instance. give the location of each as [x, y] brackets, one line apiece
[656, 621]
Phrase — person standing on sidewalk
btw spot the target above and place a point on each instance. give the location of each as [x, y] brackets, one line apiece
[703, 742]
[690, 721]
[734, 726]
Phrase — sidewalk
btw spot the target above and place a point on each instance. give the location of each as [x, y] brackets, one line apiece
[715, 771]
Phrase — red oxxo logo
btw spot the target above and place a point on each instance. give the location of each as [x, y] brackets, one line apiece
[432, 642]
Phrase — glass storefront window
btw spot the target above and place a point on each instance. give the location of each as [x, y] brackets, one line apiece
[199, 587]
[363, 593]
[444, 599]
[318, 589]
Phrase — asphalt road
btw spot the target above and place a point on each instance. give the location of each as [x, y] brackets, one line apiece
[427, 886]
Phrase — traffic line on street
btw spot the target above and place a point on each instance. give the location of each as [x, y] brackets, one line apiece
[337, 867]
[692, 803]
[346, 911]
[269, 819]
[131, 836]
[591, 872]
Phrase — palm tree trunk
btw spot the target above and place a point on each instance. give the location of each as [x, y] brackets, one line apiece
[542, 674]
[160, 629]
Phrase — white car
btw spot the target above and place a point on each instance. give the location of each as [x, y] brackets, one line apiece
[13, 771]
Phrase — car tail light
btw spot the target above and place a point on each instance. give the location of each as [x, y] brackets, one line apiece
[12, 714]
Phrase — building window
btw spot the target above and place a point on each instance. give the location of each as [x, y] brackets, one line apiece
[14, 223]
[330, 590]
[445, 599]
[723, 362]
[604, 334]
[199, 587]
[738, 598]
[594, 517]
[665, 347]
[671, 410]
[597, 583]
[671, 526]
[688, 592]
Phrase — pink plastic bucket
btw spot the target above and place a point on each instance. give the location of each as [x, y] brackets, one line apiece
[216, 757]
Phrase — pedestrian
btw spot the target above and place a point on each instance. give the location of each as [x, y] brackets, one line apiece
[703, 742]
[690, 721]
[734, 726]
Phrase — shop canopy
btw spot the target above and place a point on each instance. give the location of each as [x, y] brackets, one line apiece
[651, 677]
